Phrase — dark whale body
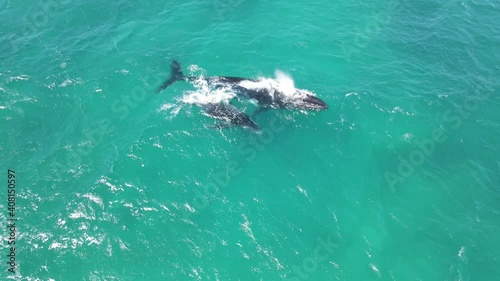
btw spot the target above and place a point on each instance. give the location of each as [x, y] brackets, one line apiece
[230, 116]
[265, 97]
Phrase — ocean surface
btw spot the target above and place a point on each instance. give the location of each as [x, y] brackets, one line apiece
[398, 180]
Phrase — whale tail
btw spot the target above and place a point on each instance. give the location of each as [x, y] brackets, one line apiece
[175, 75]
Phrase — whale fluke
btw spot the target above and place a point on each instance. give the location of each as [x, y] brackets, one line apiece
[175, 75]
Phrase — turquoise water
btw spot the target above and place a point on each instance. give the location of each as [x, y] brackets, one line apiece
[398, 180]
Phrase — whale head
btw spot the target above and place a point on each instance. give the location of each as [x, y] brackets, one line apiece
[302, 99]
[312, 102]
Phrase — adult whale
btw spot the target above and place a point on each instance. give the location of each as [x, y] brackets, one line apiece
[266, 92]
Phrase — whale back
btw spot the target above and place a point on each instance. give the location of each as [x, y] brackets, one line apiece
[229, 79]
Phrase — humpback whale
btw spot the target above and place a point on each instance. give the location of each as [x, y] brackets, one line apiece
[266, 92]
[230, 116]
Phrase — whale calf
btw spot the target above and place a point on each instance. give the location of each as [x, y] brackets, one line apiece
[266, 92]
[229, 116]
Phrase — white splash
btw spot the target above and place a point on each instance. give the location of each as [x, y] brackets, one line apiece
[285, 82]
[204, 94]
[282, 83]
[208, 97]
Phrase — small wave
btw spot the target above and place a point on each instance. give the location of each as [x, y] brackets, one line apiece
[65, 83]
[68, 82]
[172, 108]
[352, 94]
[22, 77]
[166, 106]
